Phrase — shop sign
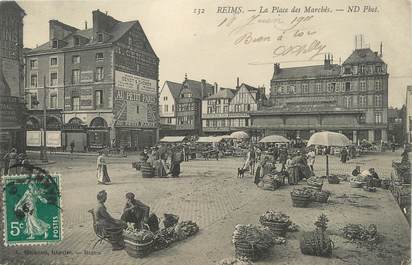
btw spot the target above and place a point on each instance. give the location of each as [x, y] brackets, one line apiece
[135, 83]
[86, 76]
[35, 138]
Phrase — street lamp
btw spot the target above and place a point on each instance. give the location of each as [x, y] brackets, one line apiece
[43, 152]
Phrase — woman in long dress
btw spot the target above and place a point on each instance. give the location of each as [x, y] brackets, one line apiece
[27, 204]
[102, 175]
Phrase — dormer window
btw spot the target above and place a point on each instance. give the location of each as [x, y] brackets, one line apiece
[347, 70]
[55, 44]
[76, 41]
[100, 37]
[378, 69]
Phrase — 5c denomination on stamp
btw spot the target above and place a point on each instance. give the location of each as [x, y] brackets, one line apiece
[32, 210]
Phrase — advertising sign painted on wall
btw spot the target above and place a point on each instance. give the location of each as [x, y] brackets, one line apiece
[35, 138]
[136, 83]
[135, 101]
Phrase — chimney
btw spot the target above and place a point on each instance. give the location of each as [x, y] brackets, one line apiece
[237, 83]
[59, 30]
[85, 24]
[380, 51]
[202, 88]
[327, 61]
[276, 68]
[216, 88]
[102, 22]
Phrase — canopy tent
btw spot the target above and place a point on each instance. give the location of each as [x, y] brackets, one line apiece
[239, 135]
[209, 139]
[274, 139]
[226, 136]
[328, 139]
[172, 139]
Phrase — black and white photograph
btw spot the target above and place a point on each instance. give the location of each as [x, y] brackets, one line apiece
[202, 132]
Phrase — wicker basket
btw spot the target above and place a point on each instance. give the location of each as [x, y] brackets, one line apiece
[300, 201]
[137, 250]
[321, 197]
[246, 251]
[309, 245]
[147, 171]
[333, 180]
[276, 228]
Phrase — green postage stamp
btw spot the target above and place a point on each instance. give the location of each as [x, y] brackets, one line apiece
[32, 210]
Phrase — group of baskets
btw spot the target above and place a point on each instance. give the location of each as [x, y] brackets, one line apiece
[302, 197]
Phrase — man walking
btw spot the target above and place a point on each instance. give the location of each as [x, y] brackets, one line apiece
[71, 149]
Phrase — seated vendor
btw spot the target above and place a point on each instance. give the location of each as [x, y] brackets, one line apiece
[135, 211]
[112, 226]
[370, 173]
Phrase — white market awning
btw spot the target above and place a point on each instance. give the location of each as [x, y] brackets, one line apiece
[209, 139]
[172, 139]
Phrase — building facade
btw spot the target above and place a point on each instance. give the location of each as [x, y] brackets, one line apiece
[358, 88]
[189, 106]
[167, 103]
[215, 112]
[101, 84]
[12, 114]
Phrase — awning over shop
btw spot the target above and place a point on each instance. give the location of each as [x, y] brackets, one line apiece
[209, 139]
[172, 139]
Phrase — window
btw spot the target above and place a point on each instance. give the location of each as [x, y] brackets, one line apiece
[347, 70]
[33, 63]
[225, 109]
[75, 76]
[330, 88]
[348, 102]
[305, 88]
[98, 98]
[99, 73]
[166, 108]
[248, 107]
[362, 69]
[76, 41]
[130, 41]
[319, 87]
[53, 79]
[378, 101]
[53, 100]
[100, 37]
[378, 69]
[53, 61]
[99, 56]
[34, 103]
[75, 59]
[75, 103]
[55, 44]
[33, 80]
[363, 85]
[165, 98]
[362, 119]
[347, 87]
[355, 69]
[292, 89]
[378, 118]
[378, 85]
[362, 101]
[173, 107]
[137, 109]
[169, 120]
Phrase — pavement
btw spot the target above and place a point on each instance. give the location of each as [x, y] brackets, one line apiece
[209, 193]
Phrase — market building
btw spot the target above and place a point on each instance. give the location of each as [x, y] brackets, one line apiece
[100, 85]
[189, 106]
[12, 113]
[351, 98]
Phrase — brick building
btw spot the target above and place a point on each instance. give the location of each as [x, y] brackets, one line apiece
[101, 84]
[12, 109]
[351, 98]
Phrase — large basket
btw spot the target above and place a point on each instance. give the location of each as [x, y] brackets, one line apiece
[321, 197]
[147, 171]
[276, 228]
[317, 187]
[137, 250]
[333, 180]
[246, 251]
[300, 201]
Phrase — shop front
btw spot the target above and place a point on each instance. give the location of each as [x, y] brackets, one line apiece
[135, 139]
[75, 131]
[12, 129]
[98, 134]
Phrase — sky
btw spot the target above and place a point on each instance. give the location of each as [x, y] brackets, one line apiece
[206, 40]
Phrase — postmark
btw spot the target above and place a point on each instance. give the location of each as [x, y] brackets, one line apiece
[32, 211]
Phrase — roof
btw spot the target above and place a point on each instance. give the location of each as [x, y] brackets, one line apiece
[223, 93]
[196, 88]
[307, 72]
[12, 4]
[363, 56]
[174, 88]
[260, 95]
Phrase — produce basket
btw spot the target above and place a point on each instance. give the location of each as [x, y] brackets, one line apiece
[147, 170]
[313, 245]
[246, 251]
[321, 196]
[300, 201]
[135, 249]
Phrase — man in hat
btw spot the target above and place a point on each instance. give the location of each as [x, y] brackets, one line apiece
[135, 211]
